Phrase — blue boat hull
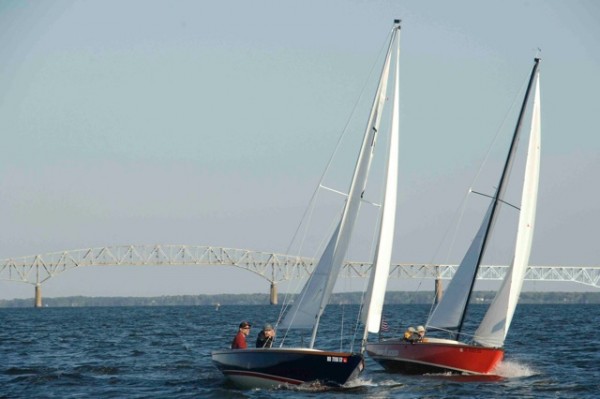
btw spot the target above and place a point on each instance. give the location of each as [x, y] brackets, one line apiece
[271, 367]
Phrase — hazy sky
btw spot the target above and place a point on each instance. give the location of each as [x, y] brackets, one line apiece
[209, 123]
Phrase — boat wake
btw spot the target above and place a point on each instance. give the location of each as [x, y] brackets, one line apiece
[360, 383]
[505, 370]
[353, 385]
[512, 369]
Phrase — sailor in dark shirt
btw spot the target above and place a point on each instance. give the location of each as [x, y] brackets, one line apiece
[265, 337]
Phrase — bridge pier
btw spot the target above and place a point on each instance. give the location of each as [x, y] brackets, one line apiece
[38, 296]
[273, 293]
[438, 289]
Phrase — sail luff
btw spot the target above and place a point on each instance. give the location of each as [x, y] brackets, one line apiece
[496, 322]
[307, 310]
[371, 315]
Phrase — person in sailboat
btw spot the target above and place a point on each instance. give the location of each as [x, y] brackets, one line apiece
[421, 334]
[266, 336]
[239, 342]
[410, 334]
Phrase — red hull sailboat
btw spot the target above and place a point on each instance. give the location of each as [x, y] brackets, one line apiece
[436, 355]
[479, 352]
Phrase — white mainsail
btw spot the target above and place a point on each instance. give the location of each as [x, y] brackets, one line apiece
[310, 304]
[371, 313]
[494, 326]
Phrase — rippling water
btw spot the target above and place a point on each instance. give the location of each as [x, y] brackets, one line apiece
[159, 352]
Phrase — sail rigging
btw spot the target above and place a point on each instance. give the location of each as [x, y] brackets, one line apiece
[494, 326]
[371, 312]
[314, 297]
[450, 312]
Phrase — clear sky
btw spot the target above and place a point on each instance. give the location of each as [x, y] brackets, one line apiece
[209, 123]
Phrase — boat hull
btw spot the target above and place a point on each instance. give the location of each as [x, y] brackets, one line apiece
[434, 356]
[272, 367]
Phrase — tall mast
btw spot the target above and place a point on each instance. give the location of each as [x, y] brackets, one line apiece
[501, 188]
[314, 297]
[336, 250]
[373, 305]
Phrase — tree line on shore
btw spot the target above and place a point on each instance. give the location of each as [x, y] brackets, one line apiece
[392, 297]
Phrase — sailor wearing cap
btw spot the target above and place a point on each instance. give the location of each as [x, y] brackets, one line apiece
[265, 337]
[420, 333]
[239, 342]
[410, 333]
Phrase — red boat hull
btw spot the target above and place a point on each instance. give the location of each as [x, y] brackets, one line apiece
[434, 356]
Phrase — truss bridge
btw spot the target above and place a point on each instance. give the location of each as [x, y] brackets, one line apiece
[273, 267]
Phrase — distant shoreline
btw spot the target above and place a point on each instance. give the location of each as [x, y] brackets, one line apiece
[393, 297]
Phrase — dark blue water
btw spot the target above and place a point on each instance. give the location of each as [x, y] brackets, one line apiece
[146, 352]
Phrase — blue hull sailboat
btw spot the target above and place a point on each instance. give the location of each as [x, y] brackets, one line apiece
[271, 367]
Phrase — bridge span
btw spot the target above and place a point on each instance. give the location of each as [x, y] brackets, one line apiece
[273, 267]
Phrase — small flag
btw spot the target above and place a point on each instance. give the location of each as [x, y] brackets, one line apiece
[384, 325]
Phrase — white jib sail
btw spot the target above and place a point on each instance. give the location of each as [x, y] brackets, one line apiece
[310, 304]
[496, 322]
[371, 314]
[449, 311]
